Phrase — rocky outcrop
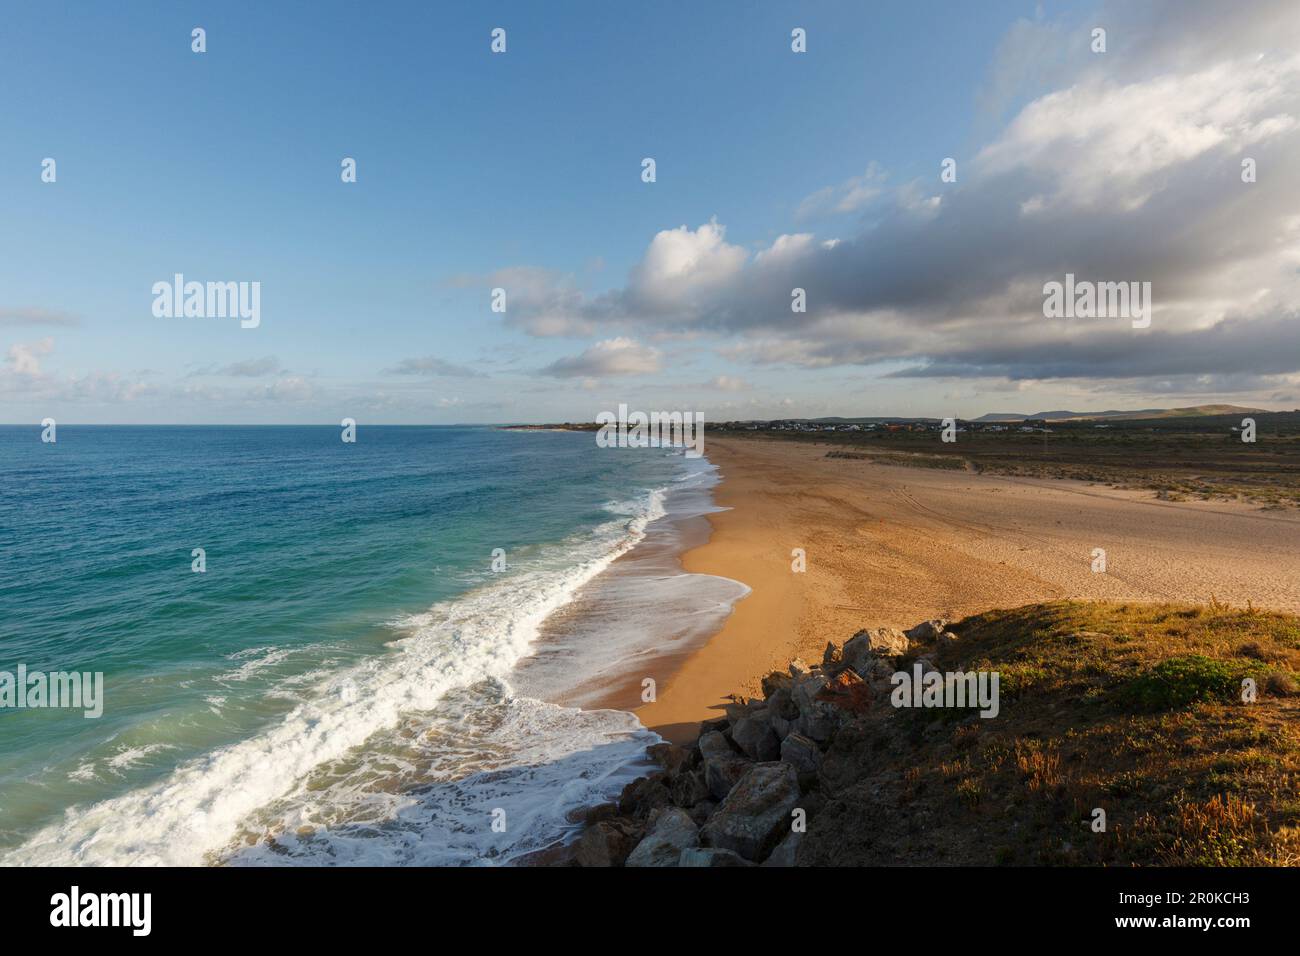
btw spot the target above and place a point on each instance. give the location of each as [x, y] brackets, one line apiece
[803, 754]
[927, 632]
[864, 648]
[671, 832]
[756, 813]
[723, 766]
[741, 794]
[608, 843]
[754, 735]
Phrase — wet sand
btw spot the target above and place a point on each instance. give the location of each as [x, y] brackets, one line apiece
[891, 546]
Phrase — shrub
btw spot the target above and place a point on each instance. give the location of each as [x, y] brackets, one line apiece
[1180, 681]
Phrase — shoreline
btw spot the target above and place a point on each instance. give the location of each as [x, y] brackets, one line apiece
[617, 622]
[889, 545]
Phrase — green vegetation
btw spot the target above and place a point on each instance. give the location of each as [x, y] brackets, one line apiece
[1135, 710]
[1180, 681]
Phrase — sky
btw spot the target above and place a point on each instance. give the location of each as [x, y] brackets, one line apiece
[775, 170]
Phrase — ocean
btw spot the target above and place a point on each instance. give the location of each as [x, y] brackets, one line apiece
[349, 680]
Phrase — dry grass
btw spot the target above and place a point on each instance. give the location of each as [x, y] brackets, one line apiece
[1133, 709]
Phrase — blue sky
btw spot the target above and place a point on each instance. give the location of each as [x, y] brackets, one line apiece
[225, 166]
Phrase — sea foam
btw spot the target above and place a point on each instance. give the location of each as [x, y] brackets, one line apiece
[537, 761]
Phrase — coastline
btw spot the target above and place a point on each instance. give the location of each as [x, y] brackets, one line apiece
[890, 545]
[642, 617]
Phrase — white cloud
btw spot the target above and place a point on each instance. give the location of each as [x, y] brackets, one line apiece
[24, 358]
[1126, 169]
[620, 356]
[852, 195]
[290, 388]
[684, 268]
[1100, 142]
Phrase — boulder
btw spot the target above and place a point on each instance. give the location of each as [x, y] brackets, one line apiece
[782, 711]
[671, 832]
[865, 647]
[926, 631]
[785, 852]
[713, 745]
[702, 811]
[887, 642]
[802, 753]
[672, 758]
[607, 843]
[817, 718]
[799, 669]
[774, 682]
[644, 795]
[805, 691]
[593, 815]
[688, 788]
[847, 691]
[831, 655]
[722, 765]
[754, 735]
[711, 856]
[756, 812]
[718, 724]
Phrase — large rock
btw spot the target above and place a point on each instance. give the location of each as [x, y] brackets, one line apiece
[688, 788]
[607, 843]
[817, 718]
[718, 724]
[723, 767]
[846, 691]
[593, 815]
[785, 852]
[775, 681]
[802, 753]
[711, 856]
[926, 632]
[644, 795]
[701, 812]
[866, 647]
[671, 832]
[756, 812]
[755, 736]
[782, 711]
[671, 757]
[805, 691]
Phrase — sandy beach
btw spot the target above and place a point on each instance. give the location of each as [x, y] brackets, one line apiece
[890, 546]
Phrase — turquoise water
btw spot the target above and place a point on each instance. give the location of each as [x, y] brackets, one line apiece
[348, 644]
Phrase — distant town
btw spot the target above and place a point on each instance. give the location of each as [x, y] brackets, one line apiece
[892, 425]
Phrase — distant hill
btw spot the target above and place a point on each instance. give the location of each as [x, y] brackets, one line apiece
[1142, 413]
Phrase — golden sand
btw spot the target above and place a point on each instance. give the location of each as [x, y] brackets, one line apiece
[891, 546]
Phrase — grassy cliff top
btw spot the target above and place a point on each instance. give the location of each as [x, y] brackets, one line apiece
[1133, 709]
